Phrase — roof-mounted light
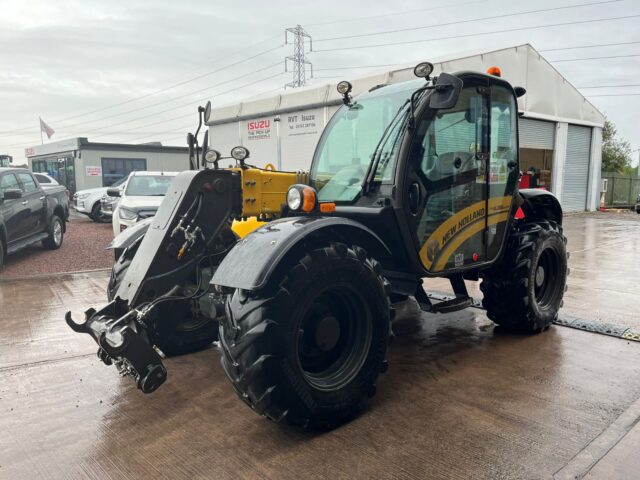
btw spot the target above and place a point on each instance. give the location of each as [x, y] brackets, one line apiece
[423, 70]
[239, 153]
[495, 71]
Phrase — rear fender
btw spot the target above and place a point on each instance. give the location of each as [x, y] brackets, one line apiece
[540, 204]
[254, 259]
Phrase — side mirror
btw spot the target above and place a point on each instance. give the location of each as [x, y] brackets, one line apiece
[446, 92]
[207, 111]
[190, 143]
[12, 193]
[205, 141]
[114, 192]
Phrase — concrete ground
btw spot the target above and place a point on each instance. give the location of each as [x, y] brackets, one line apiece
[461, 399]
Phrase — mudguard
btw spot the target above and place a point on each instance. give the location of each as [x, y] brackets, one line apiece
[252, 261]
[538, 204]
[129, 236]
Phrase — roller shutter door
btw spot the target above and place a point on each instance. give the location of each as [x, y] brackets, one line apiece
[576, 169]
[536, 134]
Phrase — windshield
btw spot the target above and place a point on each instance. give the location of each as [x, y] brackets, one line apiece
[148, 185]
[347, 145]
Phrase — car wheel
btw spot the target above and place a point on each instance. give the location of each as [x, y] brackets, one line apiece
[96, 216]
[56, 234]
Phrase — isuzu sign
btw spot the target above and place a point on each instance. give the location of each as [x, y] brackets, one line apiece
[258, 130]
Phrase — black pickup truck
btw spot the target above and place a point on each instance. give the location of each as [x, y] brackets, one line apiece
[29, 213]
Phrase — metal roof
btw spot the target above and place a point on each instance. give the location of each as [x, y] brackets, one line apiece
[80, 143]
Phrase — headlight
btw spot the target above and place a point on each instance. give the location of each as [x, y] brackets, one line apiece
[301, 198]
[126, 214]
[239, 153]
[82, 196]
[294, 198]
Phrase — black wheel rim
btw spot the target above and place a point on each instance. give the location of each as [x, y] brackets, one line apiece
[334, 337]
[547, 278]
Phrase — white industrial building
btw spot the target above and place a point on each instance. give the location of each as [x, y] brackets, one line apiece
[79, 164]
[560, 130]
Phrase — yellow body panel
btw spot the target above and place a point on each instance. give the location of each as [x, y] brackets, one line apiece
[245, 227]
[264, 191]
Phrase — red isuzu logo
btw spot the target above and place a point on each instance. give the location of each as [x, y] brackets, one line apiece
[258, 124]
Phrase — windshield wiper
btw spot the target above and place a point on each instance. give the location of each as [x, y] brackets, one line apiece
[375, 158]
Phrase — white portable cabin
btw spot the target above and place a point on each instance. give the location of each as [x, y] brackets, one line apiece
[560, 130]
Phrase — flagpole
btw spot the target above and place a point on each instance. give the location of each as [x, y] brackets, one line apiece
[41, 140]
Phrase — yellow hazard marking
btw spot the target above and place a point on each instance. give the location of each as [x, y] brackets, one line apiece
[631, 335]
[436, 250]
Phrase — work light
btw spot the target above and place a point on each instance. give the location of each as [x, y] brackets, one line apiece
[239, 153]
[212, 155]
[344, 87]
[301, 198]
[423, 70]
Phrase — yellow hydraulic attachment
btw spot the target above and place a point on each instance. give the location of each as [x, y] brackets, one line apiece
[264, 191]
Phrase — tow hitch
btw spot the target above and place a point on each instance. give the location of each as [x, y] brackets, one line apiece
[122, 343]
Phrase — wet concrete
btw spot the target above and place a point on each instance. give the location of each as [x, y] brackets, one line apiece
[461, 399]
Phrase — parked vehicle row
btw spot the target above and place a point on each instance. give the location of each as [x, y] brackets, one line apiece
[88, 203]
[30, 213]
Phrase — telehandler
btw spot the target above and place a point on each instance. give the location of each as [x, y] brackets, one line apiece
[408, 181]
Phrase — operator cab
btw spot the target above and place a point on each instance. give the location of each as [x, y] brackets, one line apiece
[430, 167]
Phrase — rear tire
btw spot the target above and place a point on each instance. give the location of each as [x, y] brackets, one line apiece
[309, 349]
[176, 331]
[56, 234]
[524, 291]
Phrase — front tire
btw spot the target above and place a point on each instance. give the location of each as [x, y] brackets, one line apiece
[56, 234]
[524, 291]
[309, 349]
[176, 331]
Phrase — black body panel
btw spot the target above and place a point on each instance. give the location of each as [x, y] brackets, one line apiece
[156, 268]
[252, 261]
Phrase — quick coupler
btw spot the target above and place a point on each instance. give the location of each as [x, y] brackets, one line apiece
[123, 343]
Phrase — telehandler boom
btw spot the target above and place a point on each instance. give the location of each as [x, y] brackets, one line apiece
[408, 182]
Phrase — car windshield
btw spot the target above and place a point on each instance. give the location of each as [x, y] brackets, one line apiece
[348, 143]
[148, 185]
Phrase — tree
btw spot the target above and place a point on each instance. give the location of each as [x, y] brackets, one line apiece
[616, 153]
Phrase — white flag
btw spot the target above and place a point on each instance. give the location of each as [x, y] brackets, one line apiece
[46, 128]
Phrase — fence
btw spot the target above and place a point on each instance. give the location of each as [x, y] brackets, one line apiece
[622, 190]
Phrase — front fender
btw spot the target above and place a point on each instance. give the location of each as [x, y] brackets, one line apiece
[128, 237]
[251, 262]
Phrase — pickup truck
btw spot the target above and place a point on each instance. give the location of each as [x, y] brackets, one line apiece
[29, 213]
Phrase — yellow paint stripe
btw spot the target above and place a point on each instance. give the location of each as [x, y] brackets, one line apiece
[496, 204]
[465, 235]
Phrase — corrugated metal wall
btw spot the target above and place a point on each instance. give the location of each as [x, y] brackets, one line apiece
[536, 134]
[576, 169]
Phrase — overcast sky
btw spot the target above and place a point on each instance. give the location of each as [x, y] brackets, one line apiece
[136, 70]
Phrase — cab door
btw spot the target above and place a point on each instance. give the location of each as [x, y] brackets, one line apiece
[503, 172]
[447, 169]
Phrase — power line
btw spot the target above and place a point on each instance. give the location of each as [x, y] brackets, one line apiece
[359, 18]
[451, 37]
[192, 79]
[593, 58]
[613, 86]
[457, 22]
[615, 95]
[357, 66]
[162, 121]
[65, 127]
[588, 46]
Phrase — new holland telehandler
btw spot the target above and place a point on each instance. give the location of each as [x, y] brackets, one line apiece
[408, 181]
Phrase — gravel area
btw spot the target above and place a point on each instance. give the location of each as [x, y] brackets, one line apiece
[83, 248]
